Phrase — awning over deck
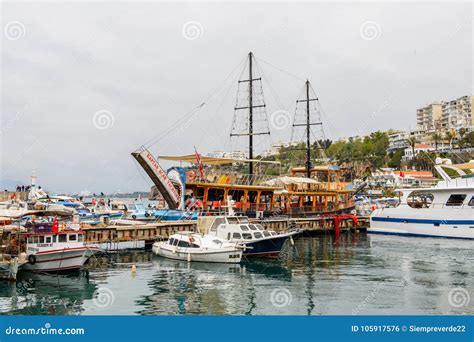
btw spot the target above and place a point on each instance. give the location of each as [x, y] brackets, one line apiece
[285, 180]
[191, 158]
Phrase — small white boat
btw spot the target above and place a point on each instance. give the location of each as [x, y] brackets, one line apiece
[196, 247]
[60, 251]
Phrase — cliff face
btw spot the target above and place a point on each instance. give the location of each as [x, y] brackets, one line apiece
[359, 168]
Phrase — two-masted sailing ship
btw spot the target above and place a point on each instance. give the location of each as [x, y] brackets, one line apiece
[304, 191]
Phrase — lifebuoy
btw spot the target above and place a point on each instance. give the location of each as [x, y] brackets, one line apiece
[31, 259]
[190, 176]
[134, 217]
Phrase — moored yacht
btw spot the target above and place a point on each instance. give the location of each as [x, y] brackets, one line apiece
[446, 210]
[258, 240]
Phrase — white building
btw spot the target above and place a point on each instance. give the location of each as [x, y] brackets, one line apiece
[418, 148]
[398, 140]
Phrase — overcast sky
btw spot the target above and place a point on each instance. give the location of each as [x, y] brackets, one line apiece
[84, 84]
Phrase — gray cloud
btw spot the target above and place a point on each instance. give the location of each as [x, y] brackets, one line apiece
[133, 61]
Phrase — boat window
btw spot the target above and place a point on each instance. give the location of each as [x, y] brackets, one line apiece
[72, 237]
[182, 243]
[219, 242]
[471, 202]
[62, 238]
[274, 233]
[243, 219]
[233, 220]
[218, 221]
[244, 228]
[456, 200]
[236, 236]
[48, 239]
[257, 235]
[247, 236]
[259, 227]
[265, 233]
[420, 199]
[252, 227]
[40, 239]
[171, 241]
[54, 238]
[175, 242]
[80, 237]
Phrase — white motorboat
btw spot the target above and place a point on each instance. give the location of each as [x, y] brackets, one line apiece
[57, 251]
[258, 240]
[197, 247]
[446, 210]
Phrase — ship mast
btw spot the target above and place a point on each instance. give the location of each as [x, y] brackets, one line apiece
[250, 106]
[308, 125]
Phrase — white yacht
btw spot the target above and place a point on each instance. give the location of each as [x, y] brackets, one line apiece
[446, 210]
[197, 247]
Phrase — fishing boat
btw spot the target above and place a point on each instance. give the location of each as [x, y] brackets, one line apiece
[444, 211]
[51, 245]
[57, 251]
[198, 247]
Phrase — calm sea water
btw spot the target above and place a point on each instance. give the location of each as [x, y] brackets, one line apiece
[360, 274]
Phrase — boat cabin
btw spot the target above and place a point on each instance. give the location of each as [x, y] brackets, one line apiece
[237, 228]
[36, 242]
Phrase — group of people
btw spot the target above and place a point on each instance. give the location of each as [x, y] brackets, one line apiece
[23, 188]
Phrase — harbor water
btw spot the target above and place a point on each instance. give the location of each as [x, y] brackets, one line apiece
[359, 274]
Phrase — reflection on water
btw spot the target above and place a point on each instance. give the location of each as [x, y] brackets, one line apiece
[358, 274]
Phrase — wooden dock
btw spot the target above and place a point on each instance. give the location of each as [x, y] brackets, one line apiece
[150, 232]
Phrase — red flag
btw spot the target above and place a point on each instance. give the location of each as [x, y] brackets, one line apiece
[199, 162]
[402, 174]
[55, 227]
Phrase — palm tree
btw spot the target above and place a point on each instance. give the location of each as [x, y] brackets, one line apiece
[436, 138]
[450, 135]
[412, 141]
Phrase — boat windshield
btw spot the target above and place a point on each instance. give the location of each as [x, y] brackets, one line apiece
[243, 220]
[252, 227]
[259, 227]
[233, 220]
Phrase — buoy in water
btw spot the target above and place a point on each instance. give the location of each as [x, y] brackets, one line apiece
[134, 269]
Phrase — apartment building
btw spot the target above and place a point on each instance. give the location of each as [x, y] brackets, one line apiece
[430, 116]
[453, 114]
[458, 113]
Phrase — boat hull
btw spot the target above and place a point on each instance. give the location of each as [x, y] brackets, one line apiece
[442, 223]
[270, 247]
[224, 255]
[60, 260]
